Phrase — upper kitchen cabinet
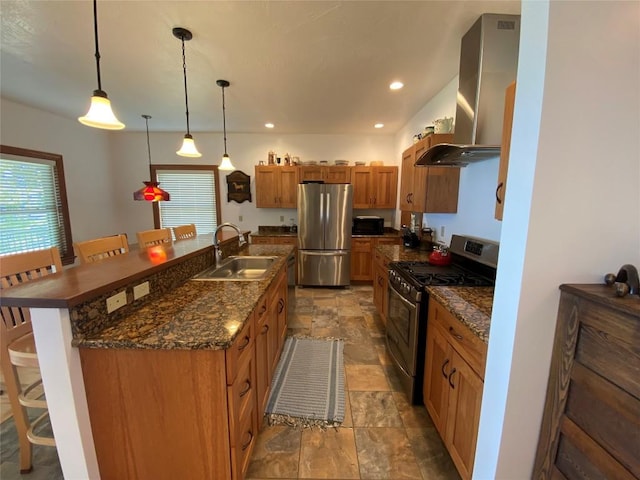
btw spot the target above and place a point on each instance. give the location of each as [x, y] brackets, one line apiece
[276, 186]
[428, 189]
[501, 189]
[327, 174]
[374, 187]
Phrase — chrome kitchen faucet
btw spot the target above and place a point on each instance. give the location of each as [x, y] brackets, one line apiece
[216, 247]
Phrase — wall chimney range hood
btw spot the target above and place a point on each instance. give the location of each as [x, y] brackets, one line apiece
[488, 64]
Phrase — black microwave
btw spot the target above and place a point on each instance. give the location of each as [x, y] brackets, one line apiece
[367, 225]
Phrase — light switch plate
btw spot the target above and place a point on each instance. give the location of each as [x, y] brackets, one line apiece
[116, 301]
[141, 290]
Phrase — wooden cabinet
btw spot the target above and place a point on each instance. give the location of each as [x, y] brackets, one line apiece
[380, 283]
[279, 240]
[501, 189]
[276, 187]
[591, 422]
[428, 189]
[361, 249]
[362, 259]
[194, 411]
[453, 384]
[327, 174]
[241, 400]
[374, 187]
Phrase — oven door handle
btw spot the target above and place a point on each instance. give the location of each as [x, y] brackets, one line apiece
[409, 304]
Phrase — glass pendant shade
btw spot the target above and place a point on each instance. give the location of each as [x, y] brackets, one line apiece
[188, 148]
[151, 193]
[226, 164]
[100, 114]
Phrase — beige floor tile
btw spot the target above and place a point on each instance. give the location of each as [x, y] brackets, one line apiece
[413, 416]
[374, 409]
[385, 453]
[328, 453]
[276, 454]
[367, 378]
[431, 455]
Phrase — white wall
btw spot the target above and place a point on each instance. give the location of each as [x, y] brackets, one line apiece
[129, 153]
[476, 201]
[572, 210]
[89, 175]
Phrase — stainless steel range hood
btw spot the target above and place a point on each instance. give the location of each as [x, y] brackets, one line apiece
[488, 64]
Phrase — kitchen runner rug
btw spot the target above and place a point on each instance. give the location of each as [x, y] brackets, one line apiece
[307, 389]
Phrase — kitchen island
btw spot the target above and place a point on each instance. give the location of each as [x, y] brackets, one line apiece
[182, 329]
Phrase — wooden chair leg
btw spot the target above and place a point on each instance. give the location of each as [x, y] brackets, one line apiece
[20, 417]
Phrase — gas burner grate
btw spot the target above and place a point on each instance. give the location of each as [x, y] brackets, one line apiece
[422, 274]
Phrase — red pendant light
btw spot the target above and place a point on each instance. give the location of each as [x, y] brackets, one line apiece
[151, 192]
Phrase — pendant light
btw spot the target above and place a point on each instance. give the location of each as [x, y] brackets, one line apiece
[100, 114]
[151, 192]
[188, 148]
[226, 164]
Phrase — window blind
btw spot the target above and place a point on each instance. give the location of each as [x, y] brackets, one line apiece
[193, 199]
[31, 212]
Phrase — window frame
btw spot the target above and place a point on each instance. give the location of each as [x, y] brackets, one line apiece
[216, 180]
[68, 255]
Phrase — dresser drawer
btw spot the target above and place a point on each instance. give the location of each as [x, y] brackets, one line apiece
[242, 347]
[463, 340]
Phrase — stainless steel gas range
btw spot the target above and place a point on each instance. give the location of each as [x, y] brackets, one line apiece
[473, 263]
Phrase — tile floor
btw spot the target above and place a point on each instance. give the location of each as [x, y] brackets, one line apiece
[382, 437]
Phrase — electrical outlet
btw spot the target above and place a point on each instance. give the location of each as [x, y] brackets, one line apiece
[116, 301]
[141, 290]
[239, 218]
[442, 232]
[282, 218]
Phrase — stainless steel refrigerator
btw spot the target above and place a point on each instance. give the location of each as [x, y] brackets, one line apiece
[324, 234]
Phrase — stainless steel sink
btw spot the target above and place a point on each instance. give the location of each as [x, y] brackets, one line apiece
[238, 268]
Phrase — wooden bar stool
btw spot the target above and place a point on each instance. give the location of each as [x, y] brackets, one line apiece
[17, 347]
[101, 248]
[184, 232]
[159, 236]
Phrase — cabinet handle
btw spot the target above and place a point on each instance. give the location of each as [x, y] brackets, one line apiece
[246, 445]
[265, 329]
[498, 199]
[450, 377]
[380, 281]
[456, 335]
[247, 388]
[263, 309]
[247, 340]
[444, 374]
[280, 305]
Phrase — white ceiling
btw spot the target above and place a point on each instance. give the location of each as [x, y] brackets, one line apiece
[308, 66]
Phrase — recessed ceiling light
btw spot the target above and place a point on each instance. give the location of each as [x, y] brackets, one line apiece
[269, 125]
[396, 85]
[378, 125]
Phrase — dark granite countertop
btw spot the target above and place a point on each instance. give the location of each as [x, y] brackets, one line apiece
[196, 315]
[471, 305]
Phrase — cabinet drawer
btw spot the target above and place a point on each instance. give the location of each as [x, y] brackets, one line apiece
[261, 240]
[469, 346]
[241, 395]
[242, 443]
[389, 241]
[242, 347]
[285, 241]
[361, 244]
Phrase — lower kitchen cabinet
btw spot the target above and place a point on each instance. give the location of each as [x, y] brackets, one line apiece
[181, 413]
[362, 261]
[453, 384]
[380, 284]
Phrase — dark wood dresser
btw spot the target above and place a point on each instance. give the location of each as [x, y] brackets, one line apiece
[591, 423]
